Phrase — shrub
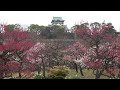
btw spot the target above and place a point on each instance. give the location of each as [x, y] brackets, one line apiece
[58, 72]
[38, 77]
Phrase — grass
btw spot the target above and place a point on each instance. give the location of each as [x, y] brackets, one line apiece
[88, 74]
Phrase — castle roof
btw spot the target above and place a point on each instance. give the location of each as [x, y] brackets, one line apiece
[57, 19]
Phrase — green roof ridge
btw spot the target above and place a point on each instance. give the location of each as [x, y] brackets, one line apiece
[58, 18]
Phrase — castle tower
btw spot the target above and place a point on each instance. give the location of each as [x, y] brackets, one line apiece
[57, 21]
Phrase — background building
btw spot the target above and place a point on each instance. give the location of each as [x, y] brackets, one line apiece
[57, 21]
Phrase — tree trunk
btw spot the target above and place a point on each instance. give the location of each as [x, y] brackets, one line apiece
[11, 75]
[57, 63]
[76, 67]
[43, 69]
[64, 63]
[20, 75]
[1, 75]
[39, 69]
[81, 72]
[98, 74]
[119, 72]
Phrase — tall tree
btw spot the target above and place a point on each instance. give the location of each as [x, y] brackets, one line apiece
[36, 28]
[96, 35]
[74, 53]
[35, 55]
[13, 46]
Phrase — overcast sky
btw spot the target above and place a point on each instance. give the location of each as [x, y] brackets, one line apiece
[70, 17]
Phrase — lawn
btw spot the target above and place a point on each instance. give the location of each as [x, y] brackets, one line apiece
[88, 74]
[72, 75]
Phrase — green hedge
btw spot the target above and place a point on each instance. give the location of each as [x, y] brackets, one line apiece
[58, 72]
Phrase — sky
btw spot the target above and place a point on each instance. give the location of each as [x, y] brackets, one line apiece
[71, 17]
